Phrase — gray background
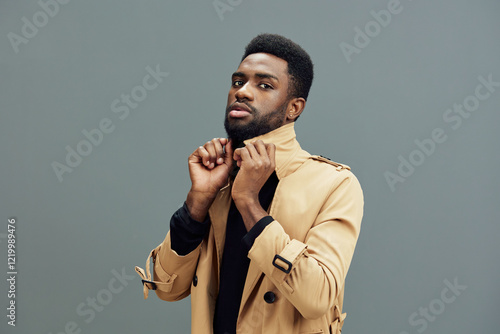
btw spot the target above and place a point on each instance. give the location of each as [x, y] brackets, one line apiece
[440, 224]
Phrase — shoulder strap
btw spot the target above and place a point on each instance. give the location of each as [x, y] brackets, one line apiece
[337, 165]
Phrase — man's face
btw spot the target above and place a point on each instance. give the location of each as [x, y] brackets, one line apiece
[258, 98]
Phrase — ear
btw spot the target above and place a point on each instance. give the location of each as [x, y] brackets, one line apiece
[294, 108]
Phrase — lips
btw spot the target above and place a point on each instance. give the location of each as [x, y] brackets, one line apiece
[235, 113]
[239, 110]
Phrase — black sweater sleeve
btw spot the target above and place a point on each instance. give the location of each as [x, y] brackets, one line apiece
[185, 232]
[255, 231]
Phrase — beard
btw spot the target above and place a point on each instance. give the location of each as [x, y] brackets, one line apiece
[260, 124]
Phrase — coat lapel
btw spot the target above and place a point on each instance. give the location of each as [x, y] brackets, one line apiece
[218, 217]
[253, 277]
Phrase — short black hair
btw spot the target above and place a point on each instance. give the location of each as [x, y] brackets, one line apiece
[300, 66]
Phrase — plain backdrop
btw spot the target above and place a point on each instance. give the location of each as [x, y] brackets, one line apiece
[65, 69]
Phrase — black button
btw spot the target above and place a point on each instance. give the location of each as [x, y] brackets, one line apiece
[269, 297]
[195, 280]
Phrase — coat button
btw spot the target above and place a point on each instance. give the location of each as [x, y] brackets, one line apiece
[269, 297]
[195, 280]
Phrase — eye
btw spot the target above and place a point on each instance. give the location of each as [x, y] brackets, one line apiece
[237, 83]
[265, 86]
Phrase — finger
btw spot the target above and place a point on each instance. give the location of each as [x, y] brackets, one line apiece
[245, 155]
[253, 154]
[219, 151]
[237, 156]
[261, 148]
[242, 155]
[203, 155]
[212, 154]
[259, 154]
[228, 157]
[271, 153]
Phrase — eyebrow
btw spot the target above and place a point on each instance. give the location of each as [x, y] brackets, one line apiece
[259, 75]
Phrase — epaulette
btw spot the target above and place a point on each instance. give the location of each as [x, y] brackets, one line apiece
[337, 165]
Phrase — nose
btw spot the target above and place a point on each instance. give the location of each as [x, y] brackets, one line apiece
[244, 92]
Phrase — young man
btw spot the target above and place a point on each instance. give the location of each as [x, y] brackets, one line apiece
[267, 233]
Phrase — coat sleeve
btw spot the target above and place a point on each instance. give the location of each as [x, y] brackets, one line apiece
[175, 259]
[311, 274]
[169, 267]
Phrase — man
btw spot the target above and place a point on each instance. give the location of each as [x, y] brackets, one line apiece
[267, 232]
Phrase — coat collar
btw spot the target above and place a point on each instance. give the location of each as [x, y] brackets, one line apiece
[289, 154]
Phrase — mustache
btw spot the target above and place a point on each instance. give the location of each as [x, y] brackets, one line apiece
[253, 109]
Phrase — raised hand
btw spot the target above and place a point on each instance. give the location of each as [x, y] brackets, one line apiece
[257, 162]
[209, 167]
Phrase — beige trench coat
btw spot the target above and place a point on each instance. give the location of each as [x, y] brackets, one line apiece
[317, 211]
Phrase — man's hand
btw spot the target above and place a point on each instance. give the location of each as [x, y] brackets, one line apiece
[257, 162]
[209, 167]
